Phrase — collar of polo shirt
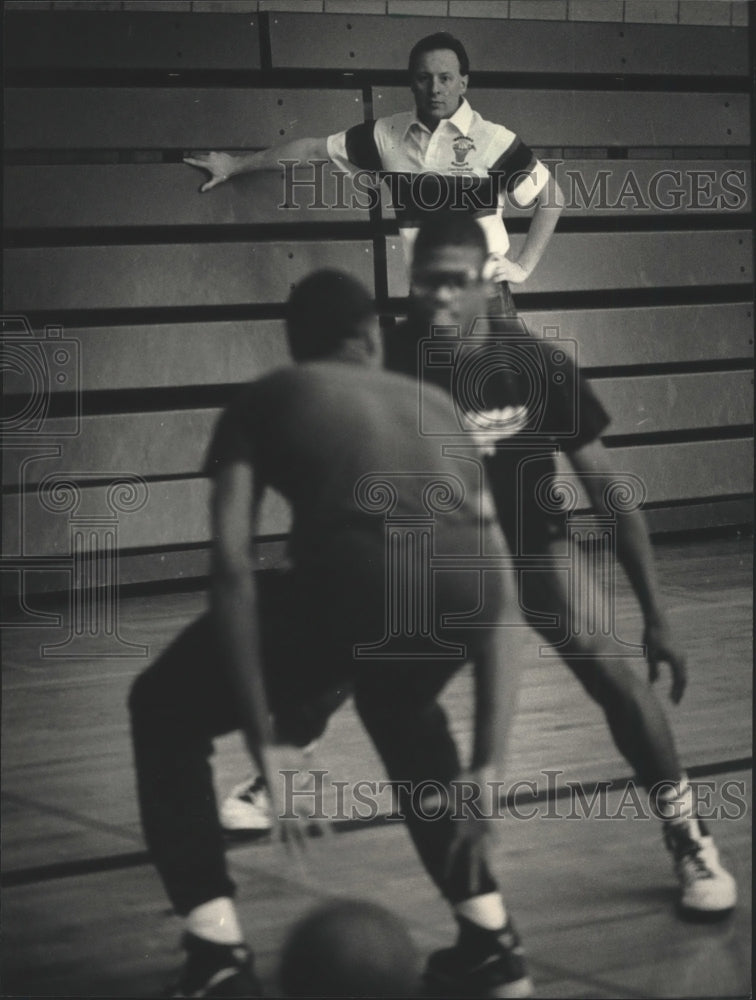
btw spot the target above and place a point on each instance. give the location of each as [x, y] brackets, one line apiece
[460, 120]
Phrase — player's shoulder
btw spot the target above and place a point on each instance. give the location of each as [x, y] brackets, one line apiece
[270, 385]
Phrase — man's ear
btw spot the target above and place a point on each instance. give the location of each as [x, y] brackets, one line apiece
[465, 80]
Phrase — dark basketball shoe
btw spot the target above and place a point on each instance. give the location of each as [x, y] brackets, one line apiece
[482, 963]
[216, 970]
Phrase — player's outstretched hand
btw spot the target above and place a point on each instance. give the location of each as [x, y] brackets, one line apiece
[660, 648]
[220, 166]
[296, 793]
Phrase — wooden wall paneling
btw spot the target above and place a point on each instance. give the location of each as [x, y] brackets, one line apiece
[152, 445]
[196, 274]
[176, 513]
[642, 260]
[157, 565]
[699, 516]
[695, 470]
[656, 403]
[174, 442]
[190, 118]
[651, 335]
[167, 194]
[599, 261]
[167, 355]
[602, 118]
[87, 39]
[348, 41]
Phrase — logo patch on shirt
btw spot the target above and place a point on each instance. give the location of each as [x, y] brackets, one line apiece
[462, 146]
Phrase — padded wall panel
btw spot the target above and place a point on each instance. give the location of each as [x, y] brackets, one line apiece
[349, 41]
[174, 442]
[596, 261]
[168, 355]
[695, 517]
[184, 354]
[172, 117]
[128, 40]
[602, 118]
[47, 197]
[646, 405]
[651, 335]
[176, 513]
[695, 470]
[159, 444]
[197, 274]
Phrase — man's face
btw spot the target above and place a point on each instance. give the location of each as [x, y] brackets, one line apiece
[438, 86]
[448, 288]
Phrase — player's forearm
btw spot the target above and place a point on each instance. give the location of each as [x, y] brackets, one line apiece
[637, 558]
[235, 607]
[497, 680]
[542, 225]
[300, 150]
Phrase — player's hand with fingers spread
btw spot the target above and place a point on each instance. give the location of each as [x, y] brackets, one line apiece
[295, 793]
[660, 648]
[501, 268]
[220, 166]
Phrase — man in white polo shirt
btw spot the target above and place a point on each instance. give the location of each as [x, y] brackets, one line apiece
[441, 155]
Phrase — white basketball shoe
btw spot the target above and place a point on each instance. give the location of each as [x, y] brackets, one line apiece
[707, 888]
[247, 806]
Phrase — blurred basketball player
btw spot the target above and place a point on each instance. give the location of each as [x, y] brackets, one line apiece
[338, 437]
[449, 293]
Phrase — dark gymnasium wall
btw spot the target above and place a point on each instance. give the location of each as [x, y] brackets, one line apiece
[149, 303]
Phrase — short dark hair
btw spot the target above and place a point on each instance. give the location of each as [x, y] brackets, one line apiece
[323, 311]
[440, 40]
[448, 228]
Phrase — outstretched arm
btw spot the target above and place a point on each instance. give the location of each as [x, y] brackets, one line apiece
[234, 600]
[222, 166]
[636, 556]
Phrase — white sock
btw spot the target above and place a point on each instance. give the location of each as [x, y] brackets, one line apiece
[216, 921]
[676, 804]
[487, 911]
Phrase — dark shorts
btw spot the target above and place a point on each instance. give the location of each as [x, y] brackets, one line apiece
[321, 637]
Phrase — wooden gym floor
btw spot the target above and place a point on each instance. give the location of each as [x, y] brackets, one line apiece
[84, 913]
